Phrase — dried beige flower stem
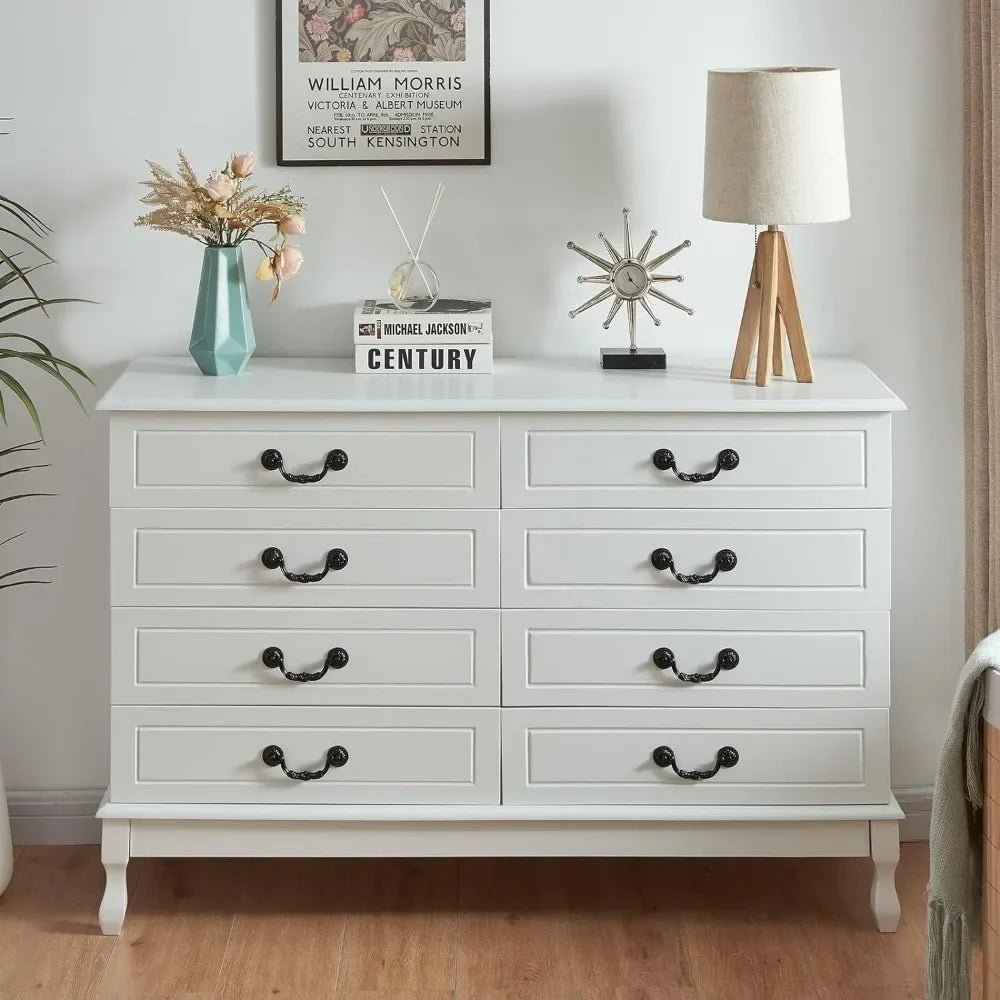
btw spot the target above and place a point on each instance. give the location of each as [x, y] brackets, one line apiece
[224, 211]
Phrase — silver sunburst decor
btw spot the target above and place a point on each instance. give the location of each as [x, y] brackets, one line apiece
[631, 279]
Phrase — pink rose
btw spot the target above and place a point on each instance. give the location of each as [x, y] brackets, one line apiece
[244, 164]
[355, 13]
[318, 28]
[220, 187]
[458, 19]
[403, 53]
[287, 262]
[293, 225]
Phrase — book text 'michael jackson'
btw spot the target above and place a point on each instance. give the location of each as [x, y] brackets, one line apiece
[428, 329]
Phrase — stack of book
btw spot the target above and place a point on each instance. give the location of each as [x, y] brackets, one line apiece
[455, 336]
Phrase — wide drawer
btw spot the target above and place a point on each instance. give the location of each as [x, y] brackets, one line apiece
[744, 757]
[394, 558]
[208, 656]
[728, 659]
[377, 461]
[810, 460]
[830, 560]
[393, 755]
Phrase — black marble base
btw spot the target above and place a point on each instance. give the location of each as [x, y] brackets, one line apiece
[622, 359]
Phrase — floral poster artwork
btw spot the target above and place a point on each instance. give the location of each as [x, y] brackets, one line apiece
[382, 31]
[372, 82]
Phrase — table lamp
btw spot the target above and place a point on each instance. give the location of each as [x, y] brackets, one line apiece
[775, 155]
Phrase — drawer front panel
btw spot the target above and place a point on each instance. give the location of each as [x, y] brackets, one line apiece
[203, 656]
[802, 461]
[399, 462]
[783, 757]
[394, 756]
[395, 559]
[648, 658]
[809, 560]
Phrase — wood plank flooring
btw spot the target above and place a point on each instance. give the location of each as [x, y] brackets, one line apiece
[460, 930]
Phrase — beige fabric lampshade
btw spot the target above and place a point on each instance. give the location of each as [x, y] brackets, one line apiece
[774, 147]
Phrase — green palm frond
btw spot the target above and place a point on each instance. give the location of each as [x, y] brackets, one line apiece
[21, 449]
[22, 353]
[20, 577]
[24, 216]
[30, 352]
[19, 391]
[18, 572]
[20, 471]
[23, 496]
[34, 304]
[16, 452]
[19, 273]
[10, 276]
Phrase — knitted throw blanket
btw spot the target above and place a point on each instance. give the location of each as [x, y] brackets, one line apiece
[954, 895]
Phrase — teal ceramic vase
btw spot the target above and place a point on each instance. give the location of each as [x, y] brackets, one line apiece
[222, 340]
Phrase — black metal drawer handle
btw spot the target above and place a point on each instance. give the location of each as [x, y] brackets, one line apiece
[663, 559]
[336, 560]
[274, 659]
[728, 659]
[726, 757]
[274, 756]
[273, 461]
[727, 461]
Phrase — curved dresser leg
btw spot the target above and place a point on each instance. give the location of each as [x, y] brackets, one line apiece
[885, 857]
[115, 838]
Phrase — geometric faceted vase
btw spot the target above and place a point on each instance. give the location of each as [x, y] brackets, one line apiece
[222, 340]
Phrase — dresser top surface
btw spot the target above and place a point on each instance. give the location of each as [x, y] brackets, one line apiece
[692, 384]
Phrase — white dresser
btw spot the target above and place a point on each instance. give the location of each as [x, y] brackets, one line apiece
[552, 611]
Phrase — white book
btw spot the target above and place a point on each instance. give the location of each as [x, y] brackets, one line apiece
[469, 321]
[424, 359]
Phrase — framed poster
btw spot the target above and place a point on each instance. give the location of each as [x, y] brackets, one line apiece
[382, 82]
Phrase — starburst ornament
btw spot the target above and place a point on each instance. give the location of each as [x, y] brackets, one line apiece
[631, 280]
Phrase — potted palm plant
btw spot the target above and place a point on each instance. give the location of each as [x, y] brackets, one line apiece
[21, 354]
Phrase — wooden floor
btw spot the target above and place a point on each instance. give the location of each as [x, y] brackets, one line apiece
[460, 930]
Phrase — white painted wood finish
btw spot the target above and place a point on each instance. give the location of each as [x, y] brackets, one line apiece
[116, 849]
[199, 656]
[695, 383]
[786, 660]
[794, 560]
[397, 755]
[885, 856]
[503, 813]
[823, 756]
[212, 557]
[160, 460]
[676, 838]
[535, 485]
[574, 461]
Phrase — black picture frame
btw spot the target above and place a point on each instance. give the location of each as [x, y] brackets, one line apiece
[485, 161]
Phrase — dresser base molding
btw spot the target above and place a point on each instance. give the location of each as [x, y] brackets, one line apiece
[236, 831]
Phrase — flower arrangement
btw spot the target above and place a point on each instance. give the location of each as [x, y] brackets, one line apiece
[227, 211]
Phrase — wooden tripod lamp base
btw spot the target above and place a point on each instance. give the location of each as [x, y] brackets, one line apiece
[772, 316]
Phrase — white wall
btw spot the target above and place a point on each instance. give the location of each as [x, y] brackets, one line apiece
[597, 105]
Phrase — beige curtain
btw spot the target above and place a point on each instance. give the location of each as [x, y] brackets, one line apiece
[982, 319]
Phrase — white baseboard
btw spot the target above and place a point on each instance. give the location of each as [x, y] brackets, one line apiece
[916, 804]
[55, 817]
[67, 817]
